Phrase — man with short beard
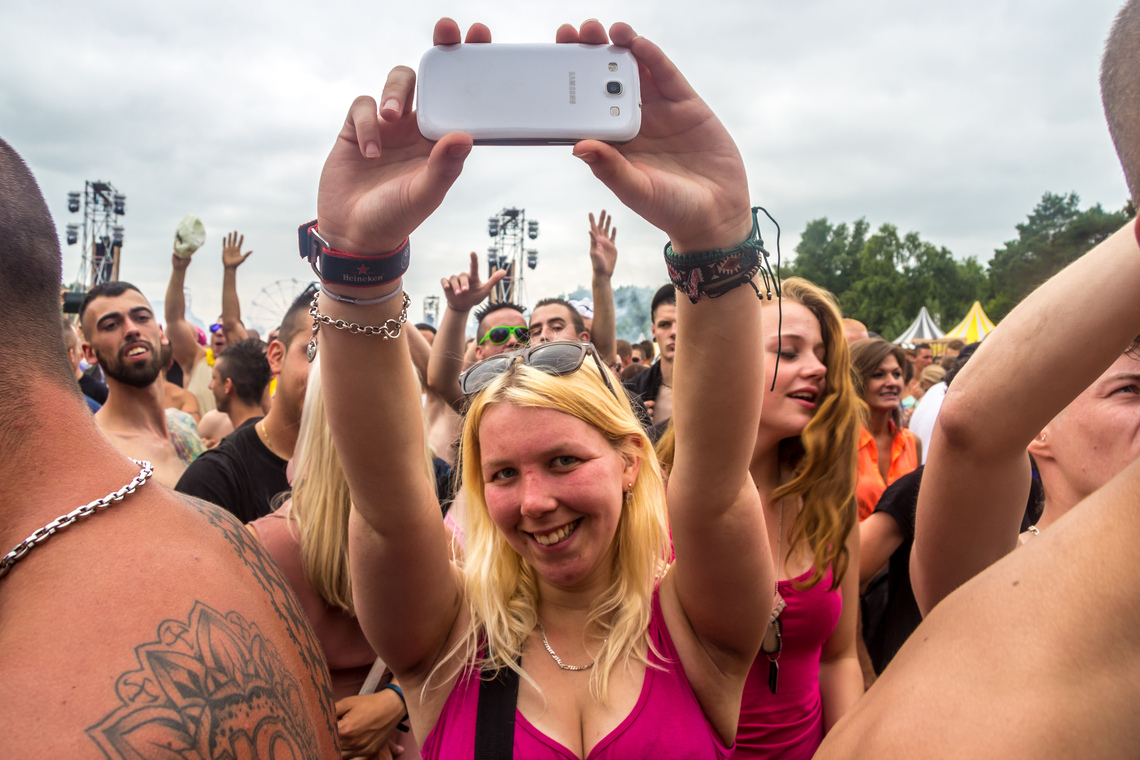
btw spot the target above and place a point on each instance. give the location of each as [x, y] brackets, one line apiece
[123, 337]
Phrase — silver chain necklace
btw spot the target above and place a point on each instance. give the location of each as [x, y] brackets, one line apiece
[59, 523]
[557, 659]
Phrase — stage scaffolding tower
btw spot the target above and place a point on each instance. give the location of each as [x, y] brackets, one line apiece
[509, 231]
[102, 205]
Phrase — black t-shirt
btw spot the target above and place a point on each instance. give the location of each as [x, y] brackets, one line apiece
[900, 617]
[92, 388]
[240, 474]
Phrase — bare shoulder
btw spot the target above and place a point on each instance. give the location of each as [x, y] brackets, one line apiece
[159, 623]
[1036, 657]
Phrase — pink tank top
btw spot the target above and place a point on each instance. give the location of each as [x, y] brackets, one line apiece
[666, 723]
[789, 723]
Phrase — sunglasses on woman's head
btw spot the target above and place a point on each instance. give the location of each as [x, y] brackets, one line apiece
[560, 357]
[500, 335]
[216, 327]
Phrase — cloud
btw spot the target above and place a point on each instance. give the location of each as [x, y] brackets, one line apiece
[948, 119]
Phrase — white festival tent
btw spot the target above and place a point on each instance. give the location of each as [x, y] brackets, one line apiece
[923, 328]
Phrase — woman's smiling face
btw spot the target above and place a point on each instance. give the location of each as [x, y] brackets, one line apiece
[554, 487]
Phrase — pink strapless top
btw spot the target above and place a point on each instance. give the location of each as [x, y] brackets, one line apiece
[789, 724]
[666, 723]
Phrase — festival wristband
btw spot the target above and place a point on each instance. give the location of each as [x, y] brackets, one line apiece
[1136, 229]
[344, 268]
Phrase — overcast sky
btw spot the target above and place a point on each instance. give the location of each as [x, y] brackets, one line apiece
[950, 119]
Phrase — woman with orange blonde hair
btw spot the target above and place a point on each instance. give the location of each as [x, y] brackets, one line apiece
[807, 674]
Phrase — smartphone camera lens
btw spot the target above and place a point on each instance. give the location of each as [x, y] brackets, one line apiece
[613, 88]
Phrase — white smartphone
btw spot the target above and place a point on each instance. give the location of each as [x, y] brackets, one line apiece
[533, 94]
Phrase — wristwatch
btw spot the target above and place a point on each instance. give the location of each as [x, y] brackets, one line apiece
[344, 268]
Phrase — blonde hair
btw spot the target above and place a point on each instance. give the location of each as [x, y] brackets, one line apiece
[502, 590]
[824, 456]
[321, 502]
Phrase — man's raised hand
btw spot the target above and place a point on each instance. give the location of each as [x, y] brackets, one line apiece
[603, 250]
[232, 257]
[465, 291]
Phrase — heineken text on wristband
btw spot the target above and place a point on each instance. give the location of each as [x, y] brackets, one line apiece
[344, 268]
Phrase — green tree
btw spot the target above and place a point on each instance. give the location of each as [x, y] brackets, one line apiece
[877, 297]
[1055, 234]
[883, 280]
[935, 279]
[829, 255]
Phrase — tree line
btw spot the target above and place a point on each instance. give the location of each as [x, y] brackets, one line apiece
[884, 278]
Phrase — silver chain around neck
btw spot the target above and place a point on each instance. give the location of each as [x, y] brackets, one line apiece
[557, 659]
[59, 523]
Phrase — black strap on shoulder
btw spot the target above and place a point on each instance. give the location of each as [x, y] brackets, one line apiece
[495, 720]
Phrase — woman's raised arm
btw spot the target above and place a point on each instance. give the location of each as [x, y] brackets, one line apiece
[381, 180]
[684, 174]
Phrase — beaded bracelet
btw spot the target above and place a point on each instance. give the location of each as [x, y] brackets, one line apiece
[716, 272]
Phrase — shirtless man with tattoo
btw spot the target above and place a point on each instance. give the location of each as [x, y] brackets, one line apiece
[123, 337]
[155, 627]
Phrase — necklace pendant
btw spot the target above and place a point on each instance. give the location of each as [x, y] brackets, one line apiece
[773, 675]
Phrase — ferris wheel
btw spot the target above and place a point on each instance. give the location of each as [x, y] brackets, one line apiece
[269, 307]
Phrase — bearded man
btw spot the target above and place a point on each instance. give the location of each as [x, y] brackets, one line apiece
[123, 337]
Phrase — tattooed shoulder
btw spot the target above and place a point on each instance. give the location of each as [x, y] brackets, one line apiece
[215, 684]
[210, 687]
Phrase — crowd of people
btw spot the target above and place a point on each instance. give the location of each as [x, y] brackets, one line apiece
[768, 532]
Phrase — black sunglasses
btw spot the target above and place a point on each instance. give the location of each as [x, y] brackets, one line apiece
[559, 357]
[500, 335]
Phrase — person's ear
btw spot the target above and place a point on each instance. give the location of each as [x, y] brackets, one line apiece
[1041, 446]
[632, 462]
[89, 353]
[275, 354]
[228, 387]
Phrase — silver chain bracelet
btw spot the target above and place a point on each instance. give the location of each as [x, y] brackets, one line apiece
[389, 330]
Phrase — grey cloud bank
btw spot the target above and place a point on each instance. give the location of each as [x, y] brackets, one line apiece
[948, 119]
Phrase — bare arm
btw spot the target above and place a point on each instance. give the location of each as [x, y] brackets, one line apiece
[232, 258]
[381, 180]
[684, 175]
[463, 291]
[421, 351]
[1057, 342]
[879, 537]
[183, 337]
[840, 677]
[1029, 691]
[603, 259]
